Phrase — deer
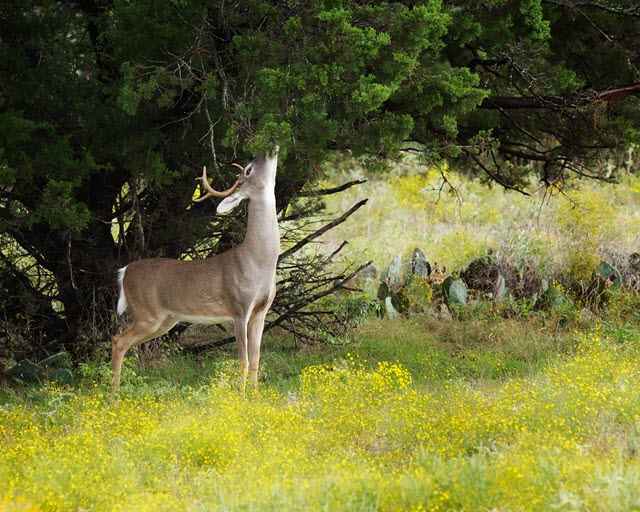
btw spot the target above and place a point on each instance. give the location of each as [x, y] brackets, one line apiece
[237, 285]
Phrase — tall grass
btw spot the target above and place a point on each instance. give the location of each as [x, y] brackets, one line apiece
[550, 230]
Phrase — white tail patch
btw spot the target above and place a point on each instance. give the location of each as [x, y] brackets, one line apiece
[122, 299]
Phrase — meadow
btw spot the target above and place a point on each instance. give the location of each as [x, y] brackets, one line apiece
[569, 228]
[477, 412]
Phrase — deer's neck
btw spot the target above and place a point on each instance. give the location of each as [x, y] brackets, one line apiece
[262, 238]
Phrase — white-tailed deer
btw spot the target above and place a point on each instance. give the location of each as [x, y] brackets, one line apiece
[237, 285]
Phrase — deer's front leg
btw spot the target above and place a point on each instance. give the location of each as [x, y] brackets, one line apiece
[240, 327]
[256, 326]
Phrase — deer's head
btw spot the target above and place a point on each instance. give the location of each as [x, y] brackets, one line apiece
[257, 179]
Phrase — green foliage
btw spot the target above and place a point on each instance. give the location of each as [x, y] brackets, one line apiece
[532, 242]
[52, 369]
[586, 224]
[418, 293]
[553, 298]
[268, 132]
[59, 208]
[455, 291]
[405, 285]
[533, 17]
[623, 308]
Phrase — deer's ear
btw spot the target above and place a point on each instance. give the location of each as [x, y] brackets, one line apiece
[230, 202]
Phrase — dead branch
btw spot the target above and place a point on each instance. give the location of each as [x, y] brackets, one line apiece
[334, 190]
[580, 100]
[322, 230]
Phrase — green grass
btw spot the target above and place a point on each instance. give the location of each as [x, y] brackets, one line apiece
[417, 414]
[432, 349]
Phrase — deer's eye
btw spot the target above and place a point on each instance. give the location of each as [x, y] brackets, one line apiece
[248, 171]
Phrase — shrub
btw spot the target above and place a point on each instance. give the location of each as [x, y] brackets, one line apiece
[585, 229]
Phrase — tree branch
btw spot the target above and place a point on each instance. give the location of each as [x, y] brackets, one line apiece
[586, 98]
[494, 177]
[322, 230]
[310, 300]
[334, 190]
[632, 12]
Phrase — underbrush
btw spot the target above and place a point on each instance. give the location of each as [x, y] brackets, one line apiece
[445, 246]
[413, 422]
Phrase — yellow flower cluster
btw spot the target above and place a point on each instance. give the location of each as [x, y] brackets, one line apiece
[355, 435]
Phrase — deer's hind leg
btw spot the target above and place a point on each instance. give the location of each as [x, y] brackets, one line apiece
[135, 334]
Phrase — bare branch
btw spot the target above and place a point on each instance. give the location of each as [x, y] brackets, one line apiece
[586, 98]
[339, 284]
[495, 177]
[633, 12]
[334, 190]
[322, 230]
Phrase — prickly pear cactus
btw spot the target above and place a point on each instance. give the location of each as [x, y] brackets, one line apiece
[60, 376]
[419, 264]
[400, 301]
[609, 275]
[391, 311]
[500, 289]
[370, 271]
[383, 291]
[544, 285]
[551, 299]
[397, 279]
[59, 359]
[27, 371]
[455, 291]
[370, 288]
[392, 275]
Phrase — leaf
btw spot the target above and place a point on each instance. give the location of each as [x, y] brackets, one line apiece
[500, 289]
[391, 311]
[27, 372]
[455, 291]
[419, 264]
[60, 376]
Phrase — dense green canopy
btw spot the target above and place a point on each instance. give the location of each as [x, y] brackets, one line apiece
[109, 109]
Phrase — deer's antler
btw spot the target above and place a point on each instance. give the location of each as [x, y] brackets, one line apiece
[211, 192]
